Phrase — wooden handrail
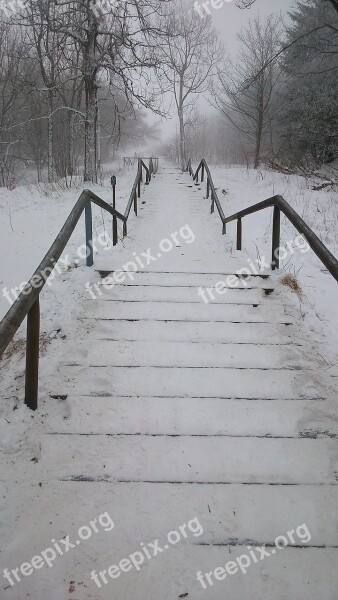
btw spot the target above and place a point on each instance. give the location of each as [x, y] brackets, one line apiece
[203, 167]
[27, 303]
[279, 204]
[136, 190]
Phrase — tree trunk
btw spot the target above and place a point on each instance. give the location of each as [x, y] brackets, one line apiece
[258, 146]
[259, 131]
[90, 71]
[70, 158]
[51, 170]
[98, 146]
[90, 173]
[183, 159]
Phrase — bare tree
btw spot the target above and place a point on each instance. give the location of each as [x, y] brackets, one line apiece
[249, 3]
[115, 42]
[244, 99]
[12, 99]
[190, 50]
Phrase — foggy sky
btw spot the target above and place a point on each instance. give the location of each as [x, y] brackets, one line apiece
[228, 20]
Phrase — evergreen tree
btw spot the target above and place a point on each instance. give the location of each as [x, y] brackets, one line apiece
[310, 116]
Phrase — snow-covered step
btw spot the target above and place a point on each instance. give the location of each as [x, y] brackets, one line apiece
[189, 294]
[171, 311]
[183, 354]
[186, 278]
[191, 459]
[197, 416]
[173, 574]
[198, 382]
[224, 333]
[232, 513]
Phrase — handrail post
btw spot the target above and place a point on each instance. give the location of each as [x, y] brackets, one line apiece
[135, 202]
[139, 187]
[239, 234]
[32, 356]
[89, 234]
[212, 210]
[202, 174]
[208, 187]
[115, 233]
[275, 238]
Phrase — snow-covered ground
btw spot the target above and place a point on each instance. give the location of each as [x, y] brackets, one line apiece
[242, 187]
[30, 219]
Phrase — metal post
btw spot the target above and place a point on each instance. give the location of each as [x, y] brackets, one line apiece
[202, 177]
[224, 229]
[212, 203]
[239, 234]
[275, 238]
[139, 187]
[32, 356]
[89, 234]
[208, 188]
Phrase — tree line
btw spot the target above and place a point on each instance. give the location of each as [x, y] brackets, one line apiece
[73, 75]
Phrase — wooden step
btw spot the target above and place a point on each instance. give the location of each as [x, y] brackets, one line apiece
[191, 459]
[169, 311]
[184, 354]
[198, 382]
[196, 416]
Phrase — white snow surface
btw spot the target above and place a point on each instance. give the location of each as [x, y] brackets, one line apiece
[158, 408]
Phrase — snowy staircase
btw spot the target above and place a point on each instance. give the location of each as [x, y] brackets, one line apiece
[178, 409]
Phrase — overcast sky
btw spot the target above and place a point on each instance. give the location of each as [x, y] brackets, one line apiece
[229, 19]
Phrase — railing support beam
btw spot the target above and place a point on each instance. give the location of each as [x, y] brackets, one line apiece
[32, 356]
